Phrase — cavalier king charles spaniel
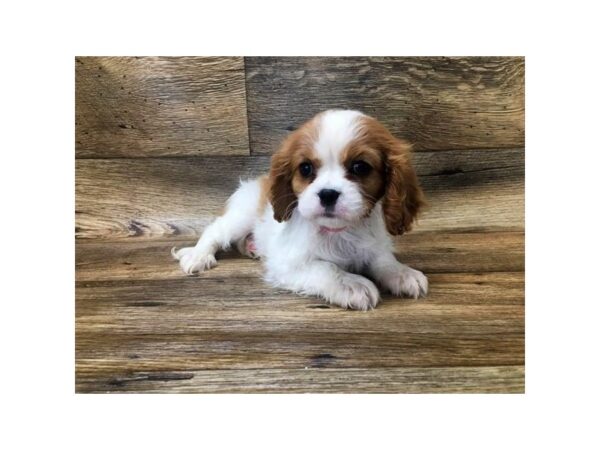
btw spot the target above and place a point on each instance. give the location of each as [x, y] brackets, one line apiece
[322, 220]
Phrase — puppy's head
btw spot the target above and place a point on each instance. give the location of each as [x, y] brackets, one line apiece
[337, 166]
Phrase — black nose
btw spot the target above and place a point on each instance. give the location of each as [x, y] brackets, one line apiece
[328, 197]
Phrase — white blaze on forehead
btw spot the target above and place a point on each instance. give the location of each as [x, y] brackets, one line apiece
[336, 129]
[333, 131]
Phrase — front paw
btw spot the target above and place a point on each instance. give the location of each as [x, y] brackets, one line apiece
[191, 260]
[355, 292]
[407, 282]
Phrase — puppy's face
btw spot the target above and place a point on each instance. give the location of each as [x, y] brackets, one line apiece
[337, 166]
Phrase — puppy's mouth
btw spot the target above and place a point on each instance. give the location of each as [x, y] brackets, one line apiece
[330, 223]
[330, 230]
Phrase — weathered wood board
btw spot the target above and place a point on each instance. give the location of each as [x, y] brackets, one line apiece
[468, 189]
[506, 379]
[436, 103]
[160, 106]
[435, 252]
[156, 333]
[127, 330]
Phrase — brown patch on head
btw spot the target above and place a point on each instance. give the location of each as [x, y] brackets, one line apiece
[372, 183]
[285, 180]
[399, 187]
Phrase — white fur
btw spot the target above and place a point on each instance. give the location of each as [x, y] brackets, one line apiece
[299, 254]
[336, 130]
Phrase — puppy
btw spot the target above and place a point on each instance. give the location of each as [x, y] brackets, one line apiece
[321, 221]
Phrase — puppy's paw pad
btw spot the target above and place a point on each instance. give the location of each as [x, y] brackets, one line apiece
[246, 246]
[409, 283]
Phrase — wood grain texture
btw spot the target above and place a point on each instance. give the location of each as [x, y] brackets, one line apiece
[160, 330]
[157, 198]
[168, 332]
[437, 252]
[142, 326]
[160, 106]
[436, 103]
[163, 142]
[203, 306]
[508, 379]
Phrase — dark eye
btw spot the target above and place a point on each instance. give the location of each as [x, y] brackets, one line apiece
[360, 168]
[306, 169]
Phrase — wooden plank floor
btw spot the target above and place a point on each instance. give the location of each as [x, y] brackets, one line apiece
[143, 326]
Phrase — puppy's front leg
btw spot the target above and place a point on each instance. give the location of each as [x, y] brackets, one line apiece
[234, 225]
[327, 280]
[398, 278]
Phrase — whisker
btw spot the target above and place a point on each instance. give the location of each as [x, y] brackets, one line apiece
[291, 205]
[369, 197]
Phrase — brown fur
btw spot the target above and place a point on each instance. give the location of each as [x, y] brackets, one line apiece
[403, 197]
[393, 177]
[265, 189]
[372, 185]
[286, 183]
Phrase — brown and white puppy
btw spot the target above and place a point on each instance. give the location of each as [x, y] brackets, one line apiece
[321, 221]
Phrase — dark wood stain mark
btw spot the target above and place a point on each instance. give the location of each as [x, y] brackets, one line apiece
[166, 376]
[322, 360]
[449, 172]
[145, 304]
[136, 228]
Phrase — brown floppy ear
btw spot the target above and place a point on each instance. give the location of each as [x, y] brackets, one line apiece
[403, 196]
[282, 196]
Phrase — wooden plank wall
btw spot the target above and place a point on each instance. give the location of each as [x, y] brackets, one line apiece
[152, 107]
[152, 198]
[162, 142]
[436, 103]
